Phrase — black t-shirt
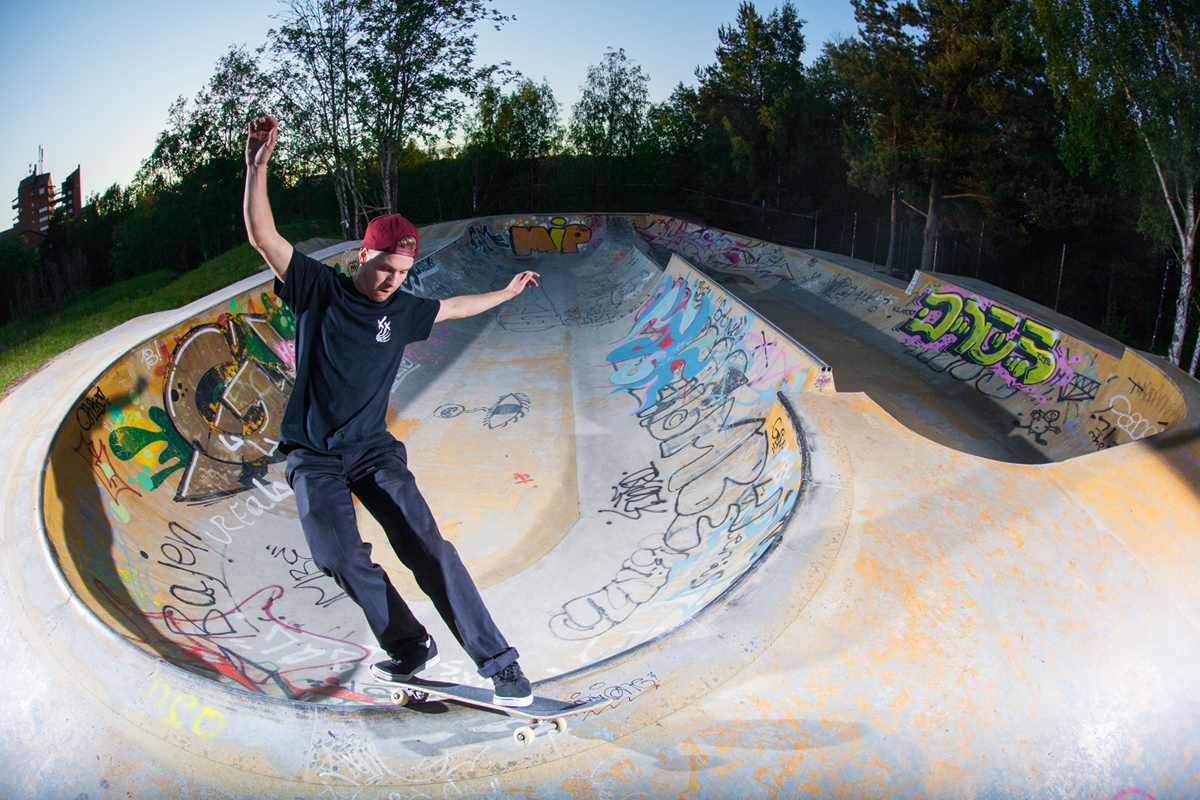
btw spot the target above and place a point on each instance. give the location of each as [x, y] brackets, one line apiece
[348, 350]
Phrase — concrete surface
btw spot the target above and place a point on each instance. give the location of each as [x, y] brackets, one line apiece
[968, 573]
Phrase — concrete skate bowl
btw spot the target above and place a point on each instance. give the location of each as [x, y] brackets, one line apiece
[1050, 388]
[612, 454]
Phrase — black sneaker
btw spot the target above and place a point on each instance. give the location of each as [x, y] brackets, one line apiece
[512, 687]
[412, 659]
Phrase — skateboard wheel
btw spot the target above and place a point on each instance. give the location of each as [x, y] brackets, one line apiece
[400, 697]
[523, 736]
[560, 725]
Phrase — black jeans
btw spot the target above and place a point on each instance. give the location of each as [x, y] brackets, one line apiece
[380, 479]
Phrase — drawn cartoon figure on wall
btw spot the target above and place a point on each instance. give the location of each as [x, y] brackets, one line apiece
[509, 408]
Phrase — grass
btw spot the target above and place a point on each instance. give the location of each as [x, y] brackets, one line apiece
[25, 345]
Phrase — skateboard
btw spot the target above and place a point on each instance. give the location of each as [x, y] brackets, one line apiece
[543, 712]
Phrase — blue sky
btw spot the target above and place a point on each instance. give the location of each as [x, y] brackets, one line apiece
[91, 82]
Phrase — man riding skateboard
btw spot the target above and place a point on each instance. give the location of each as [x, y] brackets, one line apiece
[350, 337]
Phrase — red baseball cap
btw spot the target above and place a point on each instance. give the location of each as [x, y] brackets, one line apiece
[384, 233]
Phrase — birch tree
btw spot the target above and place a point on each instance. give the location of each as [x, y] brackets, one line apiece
[318, 78]
[361, 79]
[417, 61]
[1131, 69]
[610, 117]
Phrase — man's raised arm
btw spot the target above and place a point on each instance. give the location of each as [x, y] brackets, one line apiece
[256, 208]
[468, 305]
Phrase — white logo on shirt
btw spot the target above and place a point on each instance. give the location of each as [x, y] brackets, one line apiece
[385, 330]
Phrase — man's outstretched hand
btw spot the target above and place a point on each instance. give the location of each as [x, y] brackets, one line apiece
[264, 131]
[520, 281]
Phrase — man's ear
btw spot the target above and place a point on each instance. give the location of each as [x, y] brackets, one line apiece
[362, 255]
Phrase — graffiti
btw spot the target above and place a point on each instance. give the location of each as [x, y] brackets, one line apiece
[225, 393]
[616, 694]
[483, 238]
[531, 310]
[128, 442]
[521, 478]
[842, 290]
[283, 654]
[1040, 422]
[1104, 434]
[638, 493]
[1189, 470]
[205, 720]
[702, 396]
[273, 494]
[707, 248]
[181, 550]
[420, 272]
[105, 473]
[150, 357]
[985, 380]
[512, 407]
[407, 365]
[1126, 419]
[350, 759]
[1081, 389]
[559, 238]
[1021, 350]
[604, 298]
[306, 574]
[91, 410]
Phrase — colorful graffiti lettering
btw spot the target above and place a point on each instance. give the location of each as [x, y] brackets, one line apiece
[706, 248]
[706, 388]
[988, 335]
[225, 392]
[205, 720]
[559, 238]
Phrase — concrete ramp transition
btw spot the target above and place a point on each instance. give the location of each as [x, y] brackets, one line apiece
[971, 577]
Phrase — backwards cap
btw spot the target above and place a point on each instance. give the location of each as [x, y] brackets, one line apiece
[384, 234]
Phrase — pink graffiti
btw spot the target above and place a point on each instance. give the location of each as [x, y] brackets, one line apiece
[1129, 792]
[213, 636]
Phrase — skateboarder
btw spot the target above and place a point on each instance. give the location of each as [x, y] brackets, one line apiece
[350, 338]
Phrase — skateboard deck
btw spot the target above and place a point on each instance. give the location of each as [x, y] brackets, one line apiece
[543, 712]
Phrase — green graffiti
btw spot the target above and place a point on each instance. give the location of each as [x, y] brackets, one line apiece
[1037, 360]
[280, 316]
[986, 336]
[989, 343]
[949, 304]
[126, 442]
[253, 344]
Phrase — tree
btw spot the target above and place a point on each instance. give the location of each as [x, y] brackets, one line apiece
[954, 91]
[213, 126]
[530, 119]
[880, 67]
[1131, 70]
[674, 135]
[755, 98]
[416, 58]
[363, 78]
[610, 117]
[18, 259]
[318, 79]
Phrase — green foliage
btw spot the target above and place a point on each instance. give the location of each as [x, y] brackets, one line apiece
[359, 79]
[610, 118]
[27, 344]
[756, 102]
[1129, 73]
